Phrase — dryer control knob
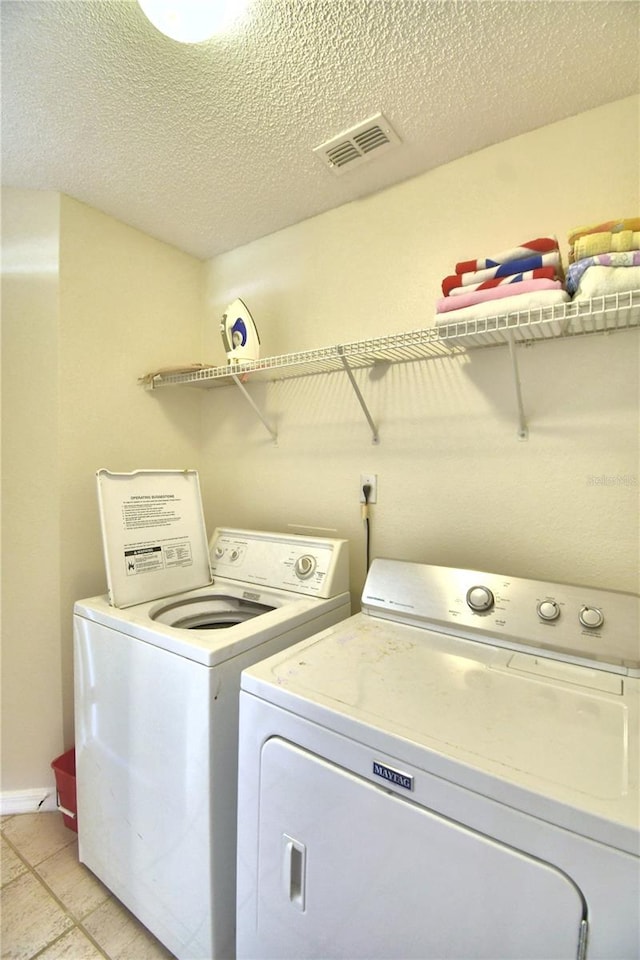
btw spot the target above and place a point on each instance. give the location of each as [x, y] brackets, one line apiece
[591, 617]
[219, 552]
[304, 566]
[480, 598]
[548, 610]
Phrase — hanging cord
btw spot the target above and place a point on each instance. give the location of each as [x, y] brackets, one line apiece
[366, 490]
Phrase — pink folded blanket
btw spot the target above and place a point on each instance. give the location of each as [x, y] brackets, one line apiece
[447, 304]
[527, 249]
[536, 300]
[508, 269]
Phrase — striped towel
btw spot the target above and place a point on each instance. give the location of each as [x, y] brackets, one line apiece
[551, 259]
[611, 226]
[594, 243]
[528, 249]
[542, 273]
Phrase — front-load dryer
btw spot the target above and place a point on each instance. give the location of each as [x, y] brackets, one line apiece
[156, 697]
[451, 773]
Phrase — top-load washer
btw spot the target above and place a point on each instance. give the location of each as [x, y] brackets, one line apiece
[451, 773]
[156, 695]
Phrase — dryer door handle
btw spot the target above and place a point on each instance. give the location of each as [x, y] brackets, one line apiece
[294, 870]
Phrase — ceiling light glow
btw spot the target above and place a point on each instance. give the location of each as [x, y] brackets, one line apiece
[192, 21]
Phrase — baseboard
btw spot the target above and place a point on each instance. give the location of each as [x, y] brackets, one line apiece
[37, 800]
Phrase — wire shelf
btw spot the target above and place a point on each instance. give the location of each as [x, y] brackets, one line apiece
[575, 318]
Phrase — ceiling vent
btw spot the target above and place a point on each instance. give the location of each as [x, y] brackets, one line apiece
[366, 141]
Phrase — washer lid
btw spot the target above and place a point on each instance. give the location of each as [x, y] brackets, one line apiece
[153, 534]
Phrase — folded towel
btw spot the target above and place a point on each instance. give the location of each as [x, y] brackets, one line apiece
[542, 273]
[551, 259]
[448, 304]
[527, 249]
[600, 281]
[611, 226]
[594, 243]
[629, 259]
[524, 302]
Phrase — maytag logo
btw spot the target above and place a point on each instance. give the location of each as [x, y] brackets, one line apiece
[249, 595]
[403, 780]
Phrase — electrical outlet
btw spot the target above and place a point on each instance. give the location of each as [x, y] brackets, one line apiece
[372, 480]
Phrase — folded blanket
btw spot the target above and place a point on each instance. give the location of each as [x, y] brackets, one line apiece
[594, 243]
[448, 304]
[611, 226]
[542, 273]
[576, 270]
[551, 259]
[524, 302]
[527, 249]
[600, 281]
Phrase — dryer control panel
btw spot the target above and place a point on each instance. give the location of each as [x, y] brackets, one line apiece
[313, 566]
[561, 621]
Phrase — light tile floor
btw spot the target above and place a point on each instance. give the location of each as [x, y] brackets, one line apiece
[53, 907]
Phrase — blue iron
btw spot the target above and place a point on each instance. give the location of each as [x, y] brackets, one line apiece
[239, 333]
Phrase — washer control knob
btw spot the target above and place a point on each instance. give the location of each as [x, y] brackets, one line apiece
[304, 566]
[235, 553]
[548, 610]
[480, 598]
[219, 552]
[591, 617]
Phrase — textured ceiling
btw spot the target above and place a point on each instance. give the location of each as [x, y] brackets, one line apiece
[210, 146]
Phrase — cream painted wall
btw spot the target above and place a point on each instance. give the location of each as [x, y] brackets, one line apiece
[31, 671]
[128, 304]
[124, 304]
[455, 484]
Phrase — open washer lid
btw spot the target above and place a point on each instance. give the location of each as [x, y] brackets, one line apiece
[153, 534]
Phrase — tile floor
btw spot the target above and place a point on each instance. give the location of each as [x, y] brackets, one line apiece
[54, 908]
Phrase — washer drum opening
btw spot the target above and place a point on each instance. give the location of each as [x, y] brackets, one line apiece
[209, 613]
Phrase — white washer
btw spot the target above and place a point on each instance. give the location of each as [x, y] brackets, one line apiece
[156, 692]
[451, 773]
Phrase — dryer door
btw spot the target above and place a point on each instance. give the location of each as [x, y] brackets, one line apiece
[349, 869]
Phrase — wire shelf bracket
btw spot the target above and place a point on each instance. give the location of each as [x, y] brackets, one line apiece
[245, 393]
[375, 438]
[523, 430]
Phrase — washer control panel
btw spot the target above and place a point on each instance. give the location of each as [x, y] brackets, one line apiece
[564, 621]
[314, 566]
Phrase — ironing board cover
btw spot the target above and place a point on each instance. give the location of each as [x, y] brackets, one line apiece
[153, 534]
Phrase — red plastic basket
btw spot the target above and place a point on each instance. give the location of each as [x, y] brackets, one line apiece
[64, 768]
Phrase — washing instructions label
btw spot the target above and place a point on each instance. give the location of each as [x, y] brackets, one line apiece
[160, 513]
[147, 510]
[144, 558]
